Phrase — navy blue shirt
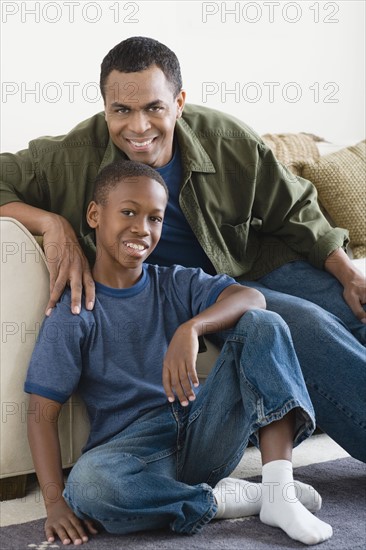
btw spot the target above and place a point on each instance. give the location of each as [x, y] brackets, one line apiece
[114, 354]
[178, 244]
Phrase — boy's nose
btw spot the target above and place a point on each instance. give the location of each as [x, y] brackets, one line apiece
[140, 226]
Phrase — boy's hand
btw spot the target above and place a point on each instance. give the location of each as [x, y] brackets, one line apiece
[61, 521]
[179, 368]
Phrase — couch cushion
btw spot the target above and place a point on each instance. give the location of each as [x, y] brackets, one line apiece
[340, 181]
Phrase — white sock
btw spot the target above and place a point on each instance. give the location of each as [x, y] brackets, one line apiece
[281, 508]
[238, 498]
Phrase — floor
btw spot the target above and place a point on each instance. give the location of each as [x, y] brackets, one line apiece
[319, 448]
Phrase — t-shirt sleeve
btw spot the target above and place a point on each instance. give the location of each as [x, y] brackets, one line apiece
[55, 366]
[198, 290]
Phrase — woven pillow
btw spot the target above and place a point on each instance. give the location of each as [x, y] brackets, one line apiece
[293, 150]
[341, 183]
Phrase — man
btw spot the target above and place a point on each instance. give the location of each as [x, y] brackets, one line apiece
[232, 209]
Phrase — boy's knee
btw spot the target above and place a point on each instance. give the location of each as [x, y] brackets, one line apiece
[93, 479]
[261, 318]
[83, 483]
[261, 325]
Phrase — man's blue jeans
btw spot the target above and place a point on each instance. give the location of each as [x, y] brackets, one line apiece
[159, 472]
[330, 344]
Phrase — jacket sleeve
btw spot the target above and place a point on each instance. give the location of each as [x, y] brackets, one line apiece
[286, 205]
[19, 181]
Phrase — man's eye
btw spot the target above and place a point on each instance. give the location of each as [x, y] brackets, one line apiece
[123, 110]
[155, 109]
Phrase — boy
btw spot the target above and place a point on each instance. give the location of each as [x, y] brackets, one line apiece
[152, 459]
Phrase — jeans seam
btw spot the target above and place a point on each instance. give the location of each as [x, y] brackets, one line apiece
[203, 520]
[280, 413]
[337, 404]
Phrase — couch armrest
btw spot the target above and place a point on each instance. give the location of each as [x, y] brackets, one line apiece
[24, 296]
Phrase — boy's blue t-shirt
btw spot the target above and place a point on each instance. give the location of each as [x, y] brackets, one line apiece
[114, 354]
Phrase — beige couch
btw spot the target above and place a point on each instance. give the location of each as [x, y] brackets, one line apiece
[24, 295]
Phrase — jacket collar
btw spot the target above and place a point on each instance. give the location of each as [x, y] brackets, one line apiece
[194, 157]
[112, 153]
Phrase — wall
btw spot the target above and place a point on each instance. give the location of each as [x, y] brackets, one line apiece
[281, 66]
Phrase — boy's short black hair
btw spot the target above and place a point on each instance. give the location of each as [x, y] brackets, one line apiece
[110, 176]
[138, 53]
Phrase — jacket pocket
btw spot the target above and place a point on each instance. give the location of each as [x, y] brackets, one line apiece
[236, 239]
[242, 242]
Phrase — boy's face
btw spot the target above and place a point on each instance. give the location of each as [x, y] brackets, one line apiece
[128, 226]
[141, 112]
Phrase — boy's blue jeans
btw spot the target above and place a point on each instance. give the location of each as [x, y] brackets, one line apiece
[330, 344]
[159, 472]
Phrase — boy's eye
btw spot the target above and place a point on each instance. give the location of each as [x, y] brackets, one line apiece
[156, 219]
[127, 212]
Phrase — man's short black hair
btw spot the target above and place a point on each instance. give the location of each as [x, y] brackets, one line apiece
[112, 174]
[138, 53]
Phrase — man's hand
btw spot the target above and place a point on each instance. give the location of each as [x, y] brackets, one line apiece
[355, 295]
[65, 259]
[179, 368]
[67, 265]
[354, 283]
[62, 522]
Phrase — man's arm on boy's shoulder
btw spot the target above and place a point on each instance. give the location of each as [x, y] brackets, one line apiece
[179, 368]
[71, 266]
[46, 454]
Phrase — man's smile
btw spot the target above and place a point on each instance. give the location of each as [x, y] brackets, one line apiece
[140, 144]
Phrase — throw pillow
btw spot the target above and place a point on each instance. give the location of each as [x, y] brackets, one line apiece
[340, 179]
[293, 150]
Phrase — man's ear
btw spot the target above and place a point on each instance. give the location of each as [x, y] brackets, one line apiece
[181, 99]
[92, 215]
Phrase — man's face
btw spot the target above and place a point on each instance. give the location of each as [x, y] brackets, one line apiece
[141, 112]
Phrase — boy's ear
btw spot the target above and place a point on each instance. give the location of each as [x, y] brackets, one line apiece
[92, 215]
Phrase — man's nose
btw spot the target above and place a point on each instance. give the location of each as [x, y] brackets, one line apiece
[139, 122]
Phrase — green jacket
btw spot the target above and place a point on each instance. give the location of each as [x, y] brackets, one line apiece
[249, 213]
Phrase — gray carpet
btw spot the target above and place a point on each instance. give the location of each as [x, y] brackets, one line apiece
[340, 482]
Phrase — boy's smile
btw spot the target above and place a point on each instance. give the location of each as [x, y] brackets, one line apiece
[128, 228]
